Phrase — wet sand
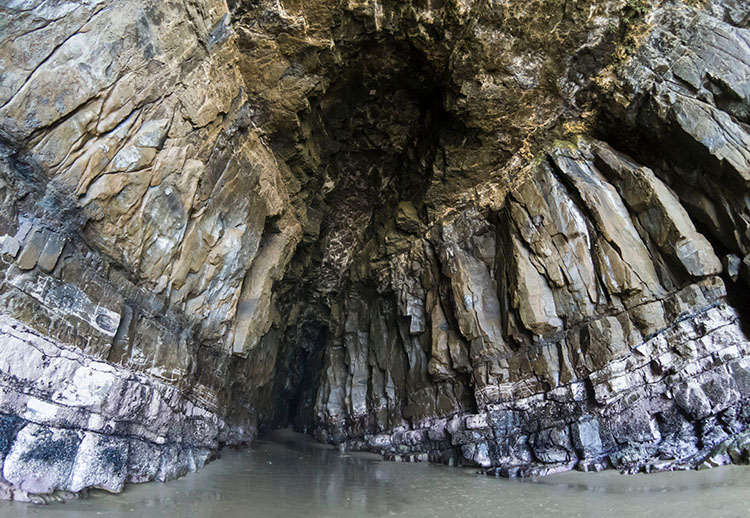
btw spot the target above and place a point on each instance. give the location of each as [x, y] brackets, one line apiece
[288, 475]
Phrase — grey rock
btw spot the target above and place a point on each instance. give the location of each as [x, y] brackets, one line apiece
[10, 245]
[585, 437]
[41, 458]
[32, 249]
[51, 253]
[100, 462]
[732, 265]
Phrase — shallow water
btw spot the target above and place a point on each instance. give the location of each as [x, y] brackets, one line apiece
[287, 475]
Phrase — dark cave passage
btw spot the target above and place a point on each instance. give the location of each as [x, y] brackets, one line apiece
[355, 358]
[364, 158]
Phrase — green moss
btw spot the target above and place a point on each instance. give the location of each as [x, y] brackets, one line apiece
[634, 10]
[564, 144]
[630, 30]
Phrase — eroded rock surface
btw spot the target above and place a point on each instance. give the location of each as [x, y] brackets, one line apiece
[514, 235]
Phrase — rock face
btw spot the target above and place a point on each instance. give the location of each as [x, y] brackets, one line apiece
[514, 235]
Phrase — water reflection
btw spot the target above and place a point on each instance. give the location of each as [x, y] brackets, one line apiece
[288, 476]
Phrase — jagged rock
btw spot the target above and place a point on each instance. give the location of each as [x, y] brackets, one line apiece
[388, 223]
[407, 218]
[100, 462]
[661, 215]
[41, 458]
[732, 265]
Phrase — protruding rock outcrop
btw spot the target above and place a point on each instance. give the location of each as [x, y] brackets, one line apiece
[515, 234]
[582, 335]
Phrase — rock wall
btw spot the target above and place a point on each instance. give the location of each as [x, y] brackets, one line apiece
[583, 324]
[138, 201]
[515, 235]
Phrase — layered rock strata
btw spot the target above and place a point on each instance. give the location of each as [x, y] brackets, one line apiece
[513, 235]
[582, 334]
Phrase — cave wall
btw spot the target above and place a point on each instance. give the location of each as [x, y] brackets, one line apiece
[514, 235]
[136, 200]
[583, 324]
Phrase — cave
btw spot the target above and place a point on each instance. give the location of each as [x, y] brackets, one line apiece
[507, 236]
[375, 134]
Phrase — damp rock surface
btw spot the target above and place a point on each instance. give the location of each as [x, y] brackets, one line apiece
[514, 236]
